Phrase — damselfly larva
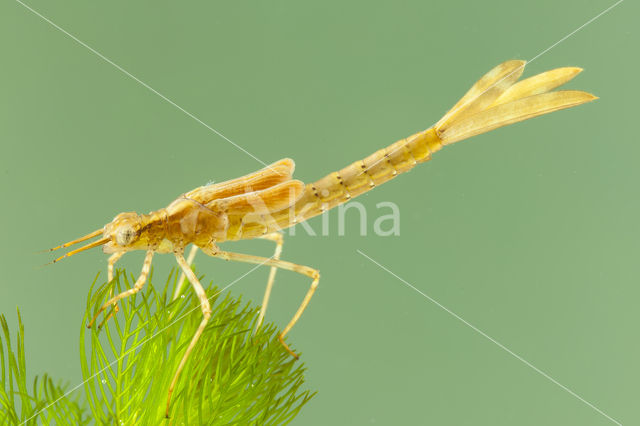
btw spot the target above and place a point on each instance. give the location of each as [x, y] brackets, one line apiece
[260, 204]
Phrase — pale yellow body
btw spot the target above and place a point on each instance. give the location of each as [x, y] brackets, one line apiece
[262, 203]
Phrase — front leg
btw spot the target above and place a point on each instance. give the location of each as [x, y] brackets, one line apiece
[146, 267]
[111, 265]
[112, 262]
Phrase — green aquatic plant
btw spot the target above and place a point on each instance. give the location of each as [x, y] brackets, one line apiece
[232, 377]
[22, 403]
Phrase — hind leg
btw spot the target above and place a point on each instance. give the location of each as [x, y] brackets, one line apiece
[278, 239]
[281, 264]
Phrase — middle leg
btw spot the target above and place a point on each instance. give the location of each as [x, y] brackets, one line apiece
[206, 314]
[192, 255]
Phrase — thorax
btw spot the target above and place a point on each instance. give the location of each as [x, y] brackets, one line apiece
[186, 221]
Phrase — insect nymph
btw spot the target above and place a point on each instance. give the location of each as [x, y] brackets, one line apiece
[260, 204]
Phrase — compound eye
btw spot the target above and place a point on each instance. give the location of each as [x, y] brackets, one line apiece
[125, 236]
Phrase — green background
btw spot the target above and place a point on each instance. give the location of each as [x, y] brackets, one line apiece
[530, 233]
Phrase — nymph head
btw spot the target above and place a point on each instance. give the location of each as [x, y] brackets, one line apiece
[121, 234]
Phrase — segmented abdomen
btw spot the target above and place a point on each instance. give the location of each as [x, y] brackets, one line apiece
[339, 187]
[362, 176]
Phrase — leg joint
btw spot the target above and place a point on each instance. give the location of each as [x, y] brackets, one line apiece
[277, 237]
[204, 303]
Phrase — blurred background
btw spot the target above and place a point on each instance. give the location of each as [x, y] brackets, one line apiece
[529, 233]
